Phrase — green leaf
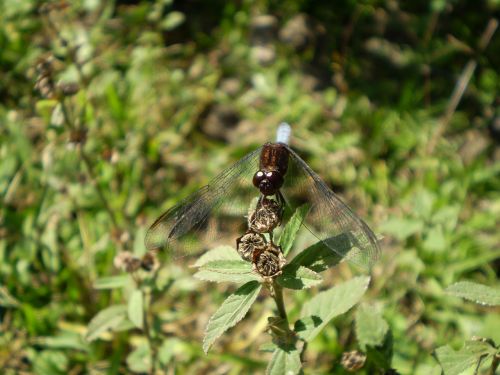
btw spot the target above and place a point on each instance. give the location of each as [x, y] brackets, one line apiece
[136, 308]
[6, 299]
[319, 257]
[172, 20]
[219, 253]
[371, 327]
[298, 277]
[106, 319]
[66, 340]
[478, 293]
[284, 362]
[228, 266]
[223, 277]
[402, 228]
[139, 360]
[232, 310]
[455, 362]
[50, 362]
[291, 228]
[229, 269]
[112, 282]
[323, 307]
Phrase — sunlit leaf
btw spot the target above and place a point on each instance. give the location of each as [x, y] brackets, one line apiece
[232, 310]
[284, 362]
[481, 294]
[326, 305]
[105, 320]
[112, 282]
[371, 327]
[291, 228]
[298, 277]
[136, 308]
[455, 362]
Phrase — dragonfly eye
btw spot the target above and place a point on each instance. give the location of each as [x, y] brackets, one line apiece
[271, 185]
[257, 178]
[275, 178]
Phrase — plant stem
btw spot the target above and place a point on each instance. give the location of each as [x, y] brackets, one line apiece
[147, 331]
[278, 298]
[494, 364]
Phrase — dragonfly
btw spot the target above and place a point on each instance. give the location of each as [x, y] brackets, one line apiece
[274, 170]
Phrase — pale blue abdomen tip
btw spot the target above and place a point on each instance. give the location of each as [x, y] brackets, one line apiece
[283, 133]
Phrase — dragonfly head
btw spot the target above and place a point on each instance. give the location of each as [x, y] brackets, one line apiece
[268, 182]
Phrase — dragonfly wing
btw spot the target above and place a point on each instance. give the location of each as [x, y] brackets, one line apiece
[185, 227]
[329, 219]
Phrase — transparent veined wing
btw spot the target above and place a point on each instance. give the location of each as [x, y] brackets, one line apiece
[329, 219]
[206, 217]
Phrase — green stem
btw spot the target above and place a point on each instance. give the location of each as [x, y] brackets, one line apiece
[278, 298]
[494, 364]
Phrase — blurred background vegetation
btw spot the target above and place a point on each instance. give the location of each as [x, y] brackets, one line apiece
[111, 111]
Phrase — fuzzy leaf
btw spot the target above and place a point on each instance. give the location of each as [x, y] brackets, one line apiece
[112, 282]
[323, 307]
[232, 310]
[237, 271]
[139, 360]
[297, 277]
[218, 277]
[284, 362]
[317, 257]
[478, 293]
[228, 266]
[455, 362]
[106, 319]
[371, 327]
[291, 228]
[136, 308]
[218, 253]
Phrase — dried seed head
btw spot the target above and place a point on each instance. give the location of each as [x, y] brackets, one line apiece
[127, 261]
[149, 261]
[353, 361]
[246, 244]
[68, 88]
[269, 261]
[266, 216]
[78, 136]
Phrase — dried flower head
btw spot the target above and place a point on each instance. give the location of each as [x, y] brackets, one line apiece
[127, 261]
[353, 361]
[266, 216]
[150, 262]
[269, 261]
[248, 243]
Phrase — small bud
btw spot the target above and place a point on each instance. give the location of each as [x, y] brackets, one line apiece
[248, 243]
[353, 361]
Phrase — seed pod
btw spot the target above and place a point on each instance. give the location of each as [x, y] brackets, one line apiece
[353, 361]
[127, 261]
[248, 243]
[268, 262]
[266, 216]
[149, 261]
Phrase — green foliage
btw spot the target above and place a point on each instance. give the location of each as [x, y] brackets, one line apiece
[170, 93]
[478, 293]
[291, 229]
[323, 307]
[456, 362]
[284, 362]
[234, 308]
